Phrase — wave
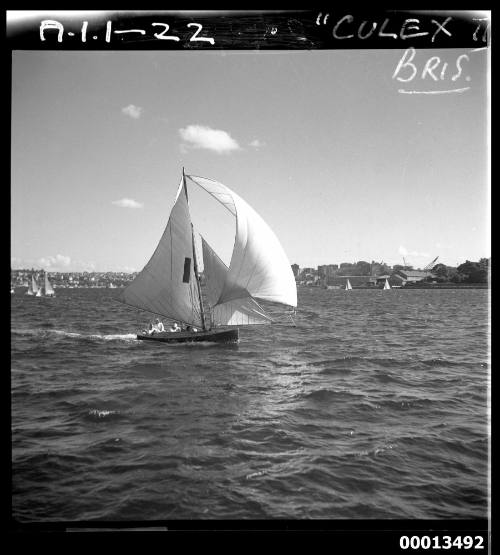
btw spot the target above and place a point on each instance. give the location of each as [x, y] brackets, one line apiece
[345, 363]
[328, 395]
[76, 335]
[99, 414]
[128, 337]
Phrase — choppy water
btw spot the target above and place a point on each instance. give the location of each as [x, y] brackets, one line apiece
[374, 406]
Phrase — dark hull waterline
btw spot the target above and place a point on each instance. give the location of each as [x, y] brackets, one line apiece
[214, 336]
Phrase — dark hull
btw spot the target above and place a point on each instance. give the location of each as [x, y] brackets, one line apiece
[213, 336]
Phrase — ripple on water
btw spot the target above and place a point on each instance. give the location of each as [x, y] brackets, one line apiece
[375, 406]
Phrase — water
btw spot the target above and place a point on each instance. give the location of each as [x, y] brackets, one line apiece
[374, 406]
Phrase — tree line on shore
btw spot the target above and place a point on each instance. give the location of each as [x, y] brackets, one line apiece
[468, 272]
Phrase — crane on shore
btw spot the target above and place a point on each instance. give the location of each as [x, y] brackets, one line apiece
[431, 264]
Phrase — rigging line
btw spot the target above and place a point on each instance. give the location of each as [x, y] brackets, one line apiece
[245, 252]
[214, 193]
[195, 262]
[164, 231]
[168, 317]
[168, 307]
[196, 314]
[232, 254]
[235, 214]
[171, 261]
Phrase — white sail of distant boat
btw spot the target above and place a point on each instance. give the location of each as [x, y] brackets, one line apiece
[386, 284]
[33, 288]
[169, 284]
[348, 286]
[47, 289]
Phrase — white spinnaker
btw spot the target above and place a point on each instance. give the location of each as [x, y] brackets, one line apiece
[167, 284]
[259, 266]
[240, 312]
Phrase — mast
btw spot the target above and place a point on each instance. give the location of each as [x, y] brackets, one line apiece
[195, 262]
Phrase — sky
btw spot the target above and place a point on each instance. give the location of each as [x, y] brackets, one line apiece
[340, 164]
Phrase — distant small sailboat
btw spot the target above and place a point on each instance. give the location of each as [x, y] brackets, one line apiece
[33, 289]
[12, 291]
[386, 284]
[47, 289]
[348, 286]
[169, 285]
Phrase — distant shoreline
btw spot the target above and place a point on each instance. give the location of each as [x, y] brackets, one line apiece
[406, 287]
[340, 288]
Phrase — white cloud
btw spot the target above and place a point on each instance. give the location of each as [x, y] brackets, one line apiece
[257, 144]
[200, 136]
[127, 203]
[132, 111]
[59, 261]
[82, 266]
[405, 252]
[439, 245]
[125, 269]
[15, 261]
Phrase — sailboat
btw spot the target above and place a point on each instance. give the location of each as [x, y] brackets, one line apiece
[33, 288]
[348, 286]
[47, 289]
[170, 285]
[386, 284]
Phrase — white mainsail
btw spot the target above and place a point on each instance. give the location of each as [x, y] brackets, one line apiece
[348, 286]
[259, 266]
[386, 284]
[30, 287]
[48, 289]
[232, 313]
[33, 288]
[167, 285]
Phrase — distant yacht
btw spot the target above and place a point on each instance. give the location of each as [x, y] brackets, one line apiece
[47, 289]
[348, 286]
[12, 292]
[34, 289]
[386, 284]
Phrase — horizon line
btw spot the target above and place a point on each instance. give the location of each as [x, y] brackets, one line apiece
[293, 264]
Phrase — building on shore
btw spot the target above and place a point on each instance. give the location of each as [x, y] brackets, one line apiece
[410, 276]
